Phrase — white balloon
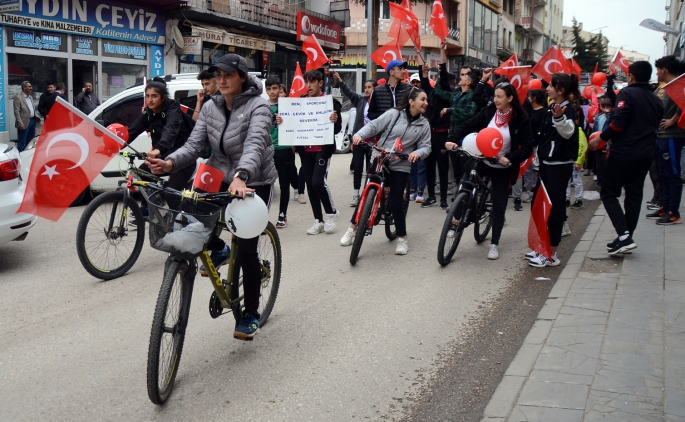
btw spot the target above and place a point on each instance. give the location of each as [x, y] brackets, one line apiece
[469, 144]
[247, 218]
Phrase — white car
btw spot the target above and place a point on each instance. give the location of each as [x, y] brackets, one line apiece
[343, 139]
[13, 226]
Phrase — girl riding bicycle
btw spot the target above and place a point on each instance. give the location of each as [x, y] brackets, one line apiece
[407, 123]
[236, 126]
[507, 116]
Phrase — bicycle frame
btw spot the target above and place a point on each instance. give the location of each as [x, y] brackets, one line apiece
[375, 179]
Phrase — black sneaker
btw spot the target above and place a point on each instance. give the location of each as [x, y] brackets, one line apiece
[443, 204]
[282, 222]
[623, 246]
[669, 219]
[577, 205]
[517, 204]
[568, 203]
[429, 202]
[248, 327]
[613, 244]
[656, 214]
[652, 206]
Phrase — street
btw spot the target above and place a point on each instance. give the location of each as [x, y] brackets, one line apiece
[342, 342]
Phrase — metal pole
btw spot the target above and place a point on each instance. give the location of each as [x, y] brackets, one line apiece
[369, 35]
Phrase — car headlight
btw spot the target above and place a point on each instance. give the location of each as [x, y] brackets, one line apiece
[32, 144]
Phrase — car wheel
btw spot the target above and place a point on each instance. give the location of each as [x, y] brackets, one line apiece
[79, 198]
[345, 146]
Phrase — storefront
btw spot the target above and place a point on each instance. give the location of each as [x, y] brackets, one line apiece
[112, 45]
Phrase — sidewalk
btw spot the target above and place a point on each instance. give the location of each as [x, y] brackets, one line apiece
[607, 346]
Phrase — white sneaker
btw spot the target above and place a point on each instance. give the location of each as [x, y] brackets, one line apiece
[566, 230]
[402, 248]
[355, 200]
[302, 199]
[494, 253]
[420, 199]
[531, 255]
[543, 261]
[316, 228]
[527, 197]
[594, 178]
[330, 221]
[412, 196]
[348, 237]
[295, 195]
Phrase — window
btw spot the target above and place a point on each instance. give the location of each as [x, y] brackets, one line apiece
[384, 9]
[116, 77]
[124, 112]
[187, 98]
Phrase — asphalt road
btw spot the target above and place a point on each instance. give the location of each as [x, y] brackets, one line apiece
[342, 343]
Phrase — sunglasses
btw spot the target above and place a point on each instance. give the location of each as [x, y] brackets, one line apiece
[502, 84]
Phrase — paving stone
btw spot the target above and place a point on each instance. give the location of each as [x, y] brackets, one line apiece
[588, 344]
[634, 336]
[504, 397]
[538, 334]
[553, 394]
[580, 324]
[576, 258]
[674, 402]
[614, 346]
[623, 407]
[549, 376]
[561, 288]
[570, 271]
[575, 310]
[593, 284]
[599, 302]
[628, 381]
[556, 359]
[524, 360]
[536, 413]
[583, 246]
[550, 310]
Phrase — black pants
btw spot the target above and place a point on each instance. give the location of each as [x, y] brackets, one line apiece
[284, 159]
[600, 162]
[396, 200]
[658, 196]
[361, 157]
[669, 152]
[315, 168]
[629, 175]
[248, 256]
[440, 158]
[500, 178]
[555, 178]
[177, 180]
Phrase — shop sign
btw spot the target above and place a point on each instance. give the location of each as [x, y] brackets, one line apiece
[328, 33]
[111, 20]
[190, 68]
[36, 40]
[84, 45]
[157, 52]
[10, 5]
[191, 45]
[3, 119]
[352, 59]
[112, 49]
[223, 37]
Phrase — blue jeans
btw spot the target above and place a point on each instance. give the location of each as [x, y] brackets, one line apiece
[668, 154]
[418, 176]
[26, 135]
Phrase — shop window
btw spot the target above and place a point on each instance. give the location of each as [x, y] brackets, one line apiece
[188, 98]
[117, 77]
[124, 112]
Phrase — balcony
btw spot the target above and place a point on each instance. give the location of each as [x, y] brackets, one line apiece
[357, 28]
[529, 23]
[531, 55]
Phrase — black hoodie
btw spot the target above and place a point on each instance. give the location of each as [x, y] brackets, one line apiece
[167, 128]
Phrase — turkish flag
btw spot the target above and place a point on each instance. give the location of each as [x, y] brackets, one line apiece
[409, 23]
[438, 23]
[208, 179]
[676, 92]
[538, 233]
[519, 77]
[71, 152]
[386, 54]
[575, 66]
[621, 61]
[525, 165]
[398, 28]
[513, 61]
[612, 67]
[315, 55]
[298, 88]
[553, 61]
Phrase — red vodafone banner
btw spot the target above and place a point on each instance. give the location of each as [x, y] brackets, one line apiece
[327, 32]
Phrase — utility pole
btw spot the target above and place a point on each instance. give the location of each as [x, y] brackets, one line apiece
[369, 39]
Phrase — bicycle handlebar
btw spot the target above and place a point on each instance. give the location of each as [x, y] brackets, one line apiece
[383, 151]
[459, 150]
[134, 154]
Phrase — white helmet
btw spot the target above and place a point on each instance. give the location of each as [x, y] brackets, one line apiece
[247, 218]
[470, 145]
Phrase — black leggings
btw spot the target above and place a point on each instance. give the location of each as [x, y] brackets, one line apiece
[500, 178]
[440, 158]
[555, 178]
[315, 168]
[284, 159]
[360, 157]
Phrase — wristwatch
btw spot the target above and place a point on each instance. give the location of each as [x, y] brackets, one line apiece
[241, 174]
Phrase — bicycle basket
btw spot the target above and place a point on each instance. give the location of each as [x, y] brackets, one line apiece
[184, 231]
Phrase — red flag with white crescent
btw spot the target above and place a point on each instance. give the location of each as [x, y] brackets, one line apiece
[386, 54]
[437, 22]
[512, 61]
[208, 178]
[525, 165]
[676, 92]
[298, 88]
[408, 23]
[315, 54]
[538, 233]
[553, 61]
[519, 77]
[71, 152]
[621, 61]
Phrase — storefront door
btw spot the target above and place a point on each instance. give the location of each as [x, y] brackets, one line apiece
[84, 71]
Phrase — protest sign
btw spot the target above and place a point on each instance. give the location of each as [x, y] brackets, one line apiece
[306, 121]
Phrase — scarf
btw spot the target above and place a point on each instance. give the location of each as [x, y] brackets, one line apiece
[502, 119]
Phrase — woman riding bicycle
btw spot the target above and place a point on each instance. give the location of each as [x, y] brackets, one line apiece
[236, 126]
[507, 116]
[407, 123]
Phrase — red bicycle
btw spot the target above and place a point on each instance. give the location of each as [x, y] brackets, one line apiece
[374, 207]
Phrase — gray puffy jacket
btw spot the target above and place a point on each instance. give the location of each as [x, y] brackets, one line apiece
[244, 143]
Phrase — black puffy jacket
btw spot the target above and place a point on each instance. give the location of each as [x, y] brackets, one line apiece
[384, 98]
[168, 131]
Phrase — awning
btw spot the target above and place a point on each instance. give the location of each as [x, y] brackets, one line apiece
[219, 35]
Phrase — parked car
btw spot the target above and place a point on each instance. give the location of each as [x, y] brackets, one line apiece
[13, 226]
[343, 139]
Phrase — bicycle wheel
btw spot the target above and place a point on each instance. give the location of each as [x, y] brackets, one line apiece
[269, 252]
[108, 242]
[168, 330]
[363, 224]
[453, 229]
[390, 229]
[483, 216]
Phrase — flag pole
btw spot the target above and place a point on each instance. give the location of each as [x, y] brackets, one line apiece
[369, 38]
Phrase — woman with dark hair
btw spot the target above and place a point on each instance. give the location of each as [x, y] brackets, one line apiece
[507, 116]
[407, 123]
[557, 152]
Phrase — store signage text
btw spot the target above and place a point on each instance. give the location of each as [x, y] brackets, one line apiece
[84, 45]
[44, 42]
[126, 50]
[232, 39]
[111, 20]
[328, 33]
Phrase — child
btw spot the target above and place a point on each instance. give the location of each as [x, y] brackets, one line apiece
[601, 120]
[576, 178]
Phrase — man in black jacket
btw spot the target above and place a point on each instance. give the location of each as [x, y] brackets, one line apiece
[47, 100]
[389, 94]
[631, 133]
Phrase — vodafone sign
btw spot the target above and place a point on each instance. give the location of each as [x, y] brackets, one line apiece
[328, 33]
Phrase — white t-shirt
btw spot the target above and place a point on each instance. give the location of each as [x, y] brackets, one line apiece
[506, 136]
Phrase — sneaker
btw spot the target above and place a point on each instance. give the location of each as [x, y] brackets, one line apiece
[218, 259]
[531, 255]
[543, 261]
[348, 237]
[566, 230]
[296, 195]
[652, 206]
[669, 219]
[429, 202]
[301, 198]
[493, 253]
[451, 234]
[316, 228]
[355, 200]
[412, 196]
[656, 214]
[594, 177]
[402, 247]
[613, 243]
[419, 198]
[282, 222]
[443, 204]
[517, 204]
[451, 188]
[577, 205]
[247, 328]
[330, 222]
[623, 246]
[527, 197]
[568, 202]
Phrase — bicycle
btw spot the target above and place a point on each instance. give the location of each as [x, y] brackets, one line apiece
[184, 234]
[473, 204]
[105, 242]
[367, 214]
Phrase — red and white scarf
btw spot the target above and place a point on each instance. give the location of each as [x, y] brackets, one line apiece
[502, 119]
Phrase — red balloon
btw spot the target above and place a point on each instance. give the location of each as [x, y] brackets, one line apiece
[587, 91]
[535, 84]
[599, 78]
[594, 136]
[120, 130]
[489, 142]
[490, 82]
[616, 91]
